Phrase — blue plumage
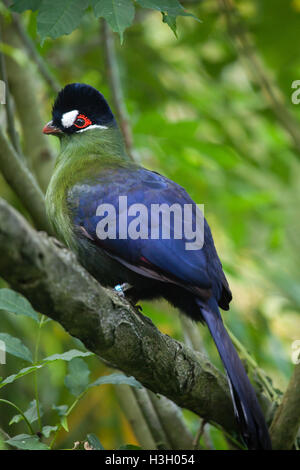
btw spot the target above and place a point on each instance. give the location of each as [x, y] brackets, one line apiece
[147, 188]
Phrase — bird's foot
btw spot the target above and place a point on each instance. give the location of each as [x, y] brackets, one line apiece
[122, 288]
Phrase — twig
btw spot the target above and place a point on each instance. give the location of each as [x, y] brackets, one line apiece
[199, 434]
[116, 88]
[158, 434]
[134, 415]
[258, 72]
[272, 394]
[23, 183]
[4, 434]
[32, 52]
[13, 405]
[286, 422]
[172, 422]
[24, 86]
[259, 373]
[35, 56]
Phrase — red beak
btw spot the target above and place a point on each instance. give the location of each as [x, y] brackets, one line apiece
[51, 129]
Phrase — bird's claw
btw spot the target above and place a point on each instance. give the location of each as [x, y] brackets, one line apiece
[122, 288]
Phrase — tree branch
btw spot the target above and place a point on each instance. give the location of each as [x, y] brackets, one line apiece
[33, 53]
[116, 88]
[9, 106]
[286, 422]
[258, 72]
[172, 422]
[23, 183]
[152, 419]
[51, 278]
[134, 415]
[35, 56]
[25, 85]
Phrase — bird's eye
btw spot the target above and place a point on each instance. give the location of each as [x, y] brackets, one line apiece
[82, 121]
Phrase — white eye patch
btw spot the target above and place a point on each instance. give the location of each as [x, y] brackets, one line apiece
[69, 118]
[93, 126]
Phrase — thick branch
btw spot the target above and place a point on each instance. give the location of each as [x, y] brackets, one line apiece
[286, 421]
[50, 277]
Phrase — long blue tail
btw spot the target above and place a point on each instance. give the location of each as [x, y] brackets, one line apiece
[246, 407]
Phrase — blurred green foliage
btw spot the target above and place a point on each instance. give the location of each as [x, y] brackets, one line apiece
[199, 119]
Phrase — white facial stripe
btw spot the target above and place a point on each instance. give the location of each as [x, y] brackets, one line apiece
[93, 126]
[68, 119]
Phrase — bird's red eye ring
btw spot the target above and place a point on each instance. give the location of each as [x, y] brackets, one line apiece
[82, 121]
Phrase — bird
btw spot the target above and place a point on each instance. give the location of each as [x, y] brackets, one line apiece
[100, 203]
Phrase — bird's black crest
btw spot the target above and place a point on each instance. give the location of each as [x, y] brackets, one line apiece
[87, 100]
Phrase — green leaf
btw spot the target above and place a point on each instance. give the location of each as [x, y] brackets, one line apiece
[64, 423]
[170, 20]
[94, 442]
[22, 5]
[169, 6]
[170, 9]
[116, 379]
[14, 302]
[67, 356]
[27, 442]
[61, 409]
[56, 17]
[30, 413]
[119, 14]
[77, 379]
[47, 430]
[15, 347]
[21, 373]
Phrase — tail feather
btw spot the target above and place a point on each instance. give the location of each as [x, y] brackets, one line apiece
[246, 407]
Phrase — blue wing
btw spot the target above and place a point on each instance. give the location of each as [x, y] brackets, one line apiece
[166, 259]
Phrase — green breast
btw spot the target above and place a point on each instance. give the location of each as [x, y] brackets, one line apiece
[82, 156]
[56, 206]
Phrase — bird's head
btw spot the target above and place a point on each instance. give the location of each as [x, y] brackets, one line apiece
[77, 109]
